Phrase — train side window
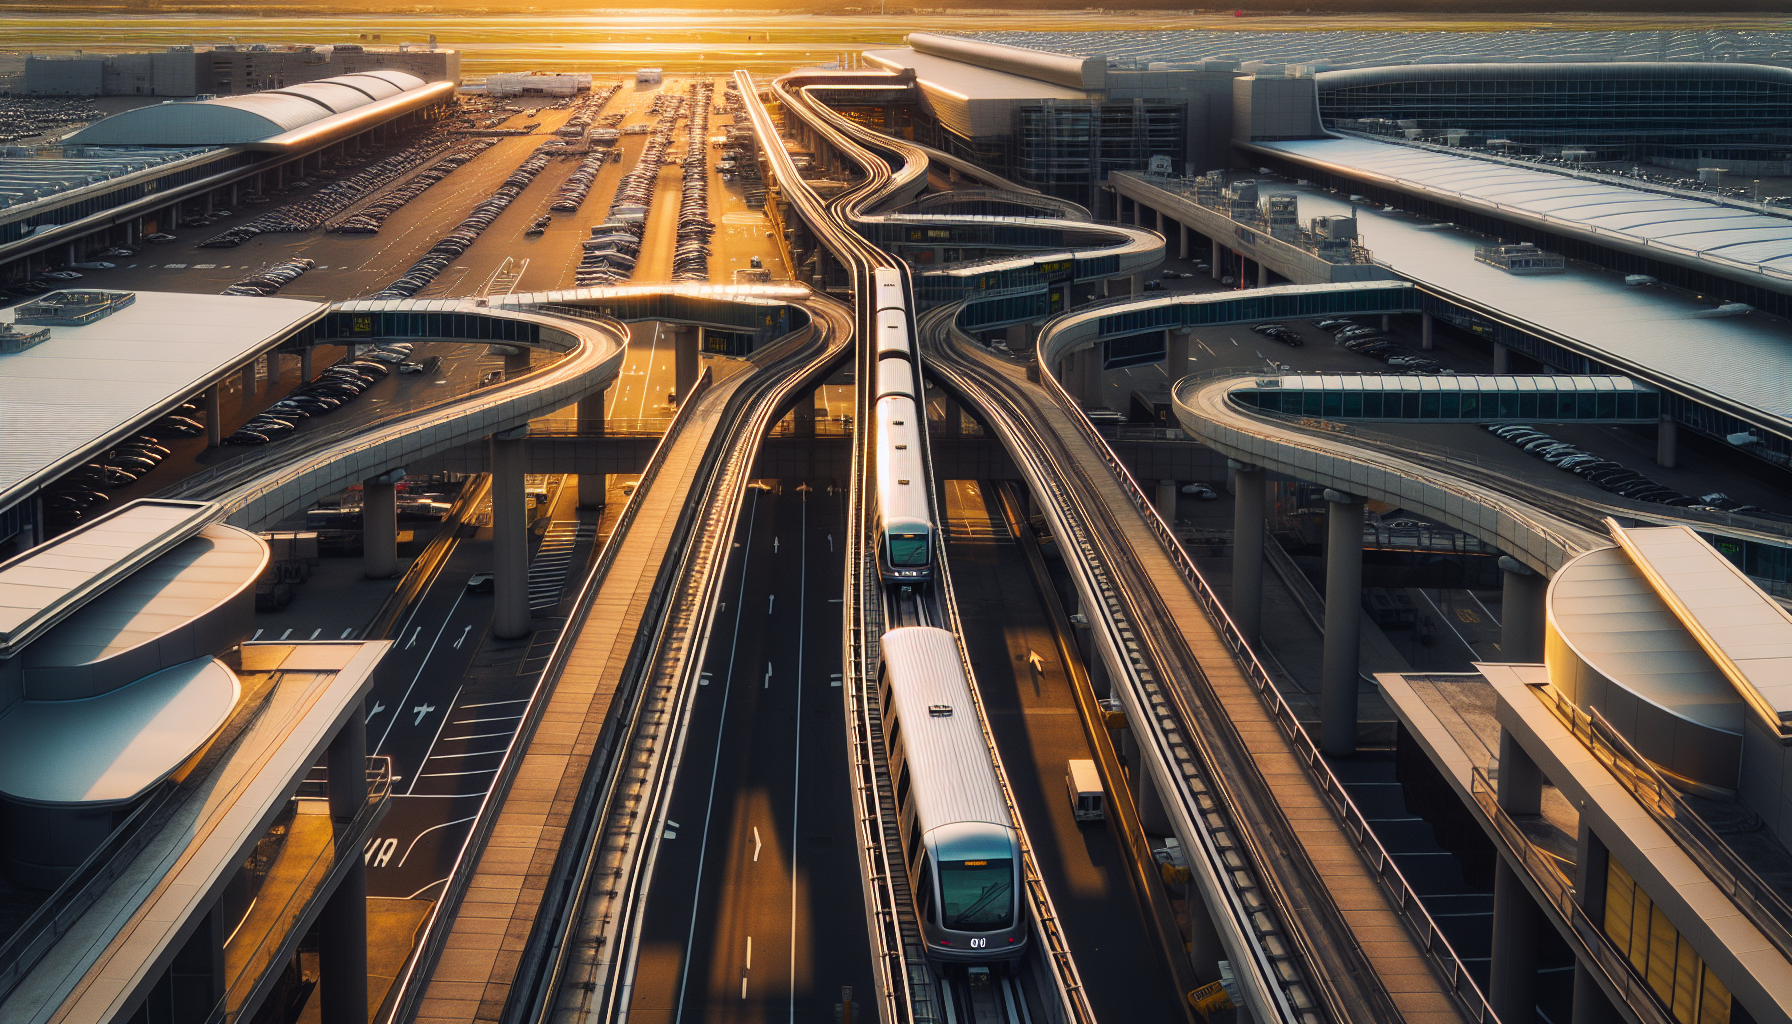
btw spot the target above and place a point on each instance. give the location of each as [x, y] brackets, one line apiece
[895, 731]
[924, 892]
[902, 785]
[914, 837]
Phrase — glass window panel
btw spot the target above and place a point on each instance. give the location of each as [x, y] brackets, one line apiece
[1353, 403]
[1471, 404]
[1714, 1001]
[1584, 405]
[1648, 406]
[1605, 405]
[1452, 405]
[1310, 403]
[1527, 405]
[1546, 405]
[1663, 942]
[1409, 406]
[1429, 409]
[1334, 403]
[1627, 406]
[1687, 967]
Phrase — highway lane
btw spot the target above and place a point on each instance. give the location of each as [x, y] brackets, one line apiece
[1026, 693]
[756, 911]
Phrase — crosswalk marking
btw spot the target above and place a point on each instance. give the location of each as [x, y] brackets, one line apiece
[547, 573]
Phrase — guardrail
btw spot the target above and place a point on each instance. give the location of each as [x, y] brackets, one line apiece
[1751, 894]
[1405, 900]
[1559, 893]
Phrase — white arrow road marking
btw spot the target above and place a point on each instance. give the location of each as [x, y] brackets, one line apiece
[756, 844]
[768, 675]
[414, 634]
[770, 599]
[421, 710]
[1034, 660]
[463, 636]
[774, 545]
[377, 708]
[830, 542]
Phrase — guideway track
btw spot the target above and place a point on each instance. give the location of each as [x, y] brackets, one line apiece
[1309, 964]
[606, 705]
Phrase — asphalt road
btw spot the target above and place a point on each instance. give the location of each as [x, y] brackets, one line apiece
[1026, 692]
[756, 911]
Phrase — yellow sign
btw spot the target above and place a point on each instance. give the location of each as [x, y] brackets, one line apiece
[1210, 998]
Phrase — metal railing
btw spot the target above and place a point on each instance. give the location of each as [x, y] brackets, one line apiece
[1405, 899]
[1751, 894]
[1558, 892]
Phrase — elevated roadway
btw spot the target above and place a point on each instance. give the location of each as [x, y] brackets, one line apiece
[1319, 924]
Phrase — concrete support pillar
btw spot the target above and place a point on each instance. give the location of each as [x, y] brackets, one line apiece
[1667, 442]
[1501, 358]
[1425, 342]
[1166, 500]
[1020, 338]
[517, 364]
[1521, 611]
[591, 414]
[1590, 1005]
[379, 525]
[1512, 974]
[1217, 257]
[1177, 348]
[304, 364]
[510, 537]
[342, 961]
[951, 416]
[247, 376]
[1138, 214]
[1262, 275]
[1135, 285]
[1520, 782]
[342, 949]
[1094, 389]
[214, 418]
[1343, 609]
[1387, 322]
[1182, 241]
[236, 191]
[1247, 548]
[684, 340]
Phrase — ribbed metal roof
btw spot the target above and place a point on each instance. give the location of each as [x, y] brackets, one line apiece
[235, 120]
[1684, 226]
[62, 401]
[953, 779]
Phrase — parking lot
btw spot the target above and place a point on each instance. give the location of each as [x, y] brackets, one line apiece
[504, 256]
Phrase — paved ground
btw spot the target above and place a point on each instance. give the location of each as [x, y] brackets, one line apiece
[356, 265]
[756, 912]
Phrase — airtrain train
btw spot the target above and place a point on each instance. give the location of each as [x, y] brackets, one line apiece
[961, 852]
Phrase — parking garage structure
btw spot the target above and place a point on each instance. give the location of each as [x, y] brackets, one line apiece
[181, 808]
[109, 368]
[146, 170]
[1721, 369]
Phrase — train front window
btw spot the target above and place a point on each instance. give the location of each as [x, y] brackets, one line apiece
[907, 550]
[976, 895]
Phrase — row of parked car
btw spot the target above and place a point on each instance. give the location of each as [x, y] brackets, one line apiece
[609, 255]
[1614, 476]
[83, 492]
[577, 187]
[576, 124]
[690, 260]
[339, 384]
[450, 247]
[368, 219]
[1281, 333]
[339, 194]
[1368, 341]
[272, 279]
[22, 118]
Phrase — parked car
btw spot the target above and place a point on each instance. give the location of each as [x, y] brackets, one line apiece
[480, 583]
[1202, 491]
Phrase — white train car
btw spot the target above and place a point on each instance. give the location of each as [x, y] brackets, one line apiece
[961, 850]
[905, 521]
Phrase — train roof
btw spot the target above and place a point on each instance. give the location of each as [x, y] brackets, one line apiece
[888, 284]
[950, 772]
[892, 335]
[901, 475]
[895, 377]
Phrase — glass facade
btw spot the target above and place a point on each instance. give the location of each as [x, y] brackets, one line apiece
[1628, 110]
[1660, 955]
[1470, 399]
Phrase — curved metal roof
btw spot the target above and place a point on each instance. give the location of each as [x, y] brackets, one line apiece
[235, 120]
[109, 749]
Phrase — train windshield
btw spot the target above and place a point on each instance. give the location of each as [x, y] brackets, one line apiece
[908, 550]
[976, 895]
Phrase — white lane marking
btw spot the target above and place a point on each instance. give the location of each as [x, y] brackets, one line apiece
[495, 703]
[768, 675]
[463, 636]
[286, 634]
[347, 633]
[476, 721]
[413, 641]
[257, 635]
[749, 952]
[432, 828]
[714, 770]
[1494, 619]
[1440, 614]
[756, 844]
[440, 775]
[420, 668]
[315, 632]
[770, 599]
[477, 736]
[430, 751]
[796, 770]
